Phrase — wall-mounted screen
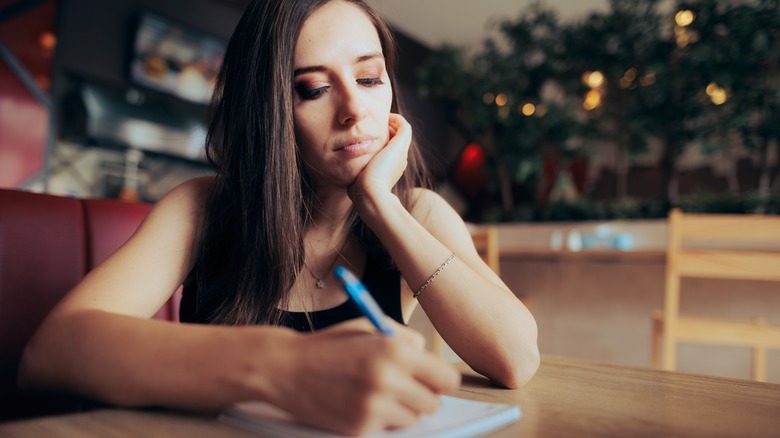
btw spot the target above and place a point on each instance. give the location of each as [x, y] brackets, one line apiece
[175, 59]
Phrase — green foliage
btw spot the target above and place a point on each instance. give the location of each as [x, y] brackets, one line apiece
[752, 203]
[630, 208]
[522, 95]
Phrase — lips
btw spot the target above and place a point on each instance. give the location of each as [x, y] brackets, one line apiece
[356, 144]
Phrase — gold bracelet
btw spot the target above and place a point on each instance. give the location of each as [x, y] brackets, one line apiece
[430, 279]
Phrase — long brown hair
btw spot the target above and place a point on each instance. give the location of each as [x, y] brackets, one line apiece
[252, 241]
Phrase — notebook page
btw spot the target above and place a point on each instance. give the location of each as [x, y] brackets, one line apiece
[456, 418]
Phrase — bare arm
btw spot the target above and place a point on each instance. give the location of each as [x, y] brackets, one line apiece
[475, 312]
[100, 343]
[109, 342]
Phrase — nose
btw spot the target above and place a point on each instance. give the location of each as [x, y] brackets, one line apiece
[351, 108]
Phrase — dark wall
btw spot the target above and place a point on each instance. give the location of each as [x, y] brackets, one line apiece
[95, 35]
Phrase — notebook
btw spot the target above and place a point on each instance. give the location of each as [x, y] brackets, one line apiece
[456, 418]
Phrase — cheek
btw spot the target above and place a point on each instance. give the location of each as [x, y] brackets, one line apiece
[383, 104]
[305, 129]
[388, 100]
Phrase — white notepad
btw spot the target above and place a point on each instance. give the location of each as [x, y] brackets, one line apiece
[456, 418]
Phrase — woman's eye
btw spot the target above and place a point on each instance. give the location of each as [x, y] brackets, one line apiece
[370, 82]
[311, 93]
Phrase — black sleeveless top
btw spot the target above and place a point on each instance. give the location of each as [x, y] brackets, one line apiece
[382, 280]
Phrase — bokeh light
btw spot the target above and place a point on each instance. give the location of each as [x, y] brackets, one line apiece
[684, 18]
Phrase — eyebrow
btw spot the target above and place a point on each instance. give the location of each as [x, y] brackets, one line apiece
[319, 68]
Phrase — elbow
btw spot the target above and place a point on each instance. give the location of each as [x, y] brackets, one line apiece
[38, 364]
[519, 370]
[521, 359]
[27, 377]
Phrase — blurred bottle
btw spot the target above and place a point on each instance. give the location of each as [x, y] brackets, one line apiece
[556, 240]
[605, 238]
[574, 241]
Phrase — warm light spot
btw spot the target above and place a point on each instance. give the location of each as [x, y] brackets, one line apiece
[488, 98]
[503, 112]
[684, 18]
[47, 40]
[682, 37]
[541, 110]
[592, 100]
[719, 98]
[625, 83]
[528, 109]
[718, 95]
[594, 79]
[584, 77]
[630, 74]
[501, 99]
[647, 79]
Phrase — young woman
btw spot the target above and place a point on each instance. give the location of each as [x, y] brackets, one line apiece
[316, 168]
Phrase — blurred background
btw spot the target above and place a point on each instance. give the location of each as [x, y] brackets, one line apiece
[571, 124]
[529, 111]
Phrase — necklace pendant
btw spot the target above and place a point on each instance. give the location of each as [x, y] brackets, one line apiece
[320, 284]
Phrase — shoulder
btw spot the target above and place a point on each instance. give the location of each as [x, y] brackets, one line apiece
[428, 206]
[184, 204]
[189, 194]
[434, 213]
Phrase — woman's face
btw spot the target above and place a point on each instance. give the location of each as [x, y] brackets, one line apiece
[342, 94]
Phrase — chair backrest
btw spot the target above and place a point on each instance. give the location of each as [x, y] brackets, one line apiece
[718, 246]
[47, 244]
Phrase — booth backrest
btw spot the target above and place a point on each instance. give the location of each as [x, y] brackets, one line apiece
[47, 244]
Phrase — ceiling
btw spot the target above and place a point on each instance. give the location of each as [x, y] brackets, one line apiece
[468, 22]
[462, 22]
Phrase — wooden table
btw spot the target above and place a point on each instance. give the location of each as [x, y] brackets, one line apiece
[572, 397]
[567, 397]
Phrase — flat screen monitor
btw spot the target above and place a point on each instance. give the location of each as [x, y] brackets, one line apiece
[175, 59]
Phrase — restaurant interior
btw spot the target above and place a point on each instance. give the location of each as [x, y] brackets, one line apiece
[617, 162]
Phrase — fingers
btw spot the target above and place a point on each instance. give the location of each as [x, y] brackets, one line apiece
[382, 381]
[396, 121]
[437, 375]
[406, 351]
[430, 374]
[400, 130]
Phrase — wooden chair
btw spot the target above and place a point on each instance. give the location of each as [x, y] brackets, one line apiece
[736, 247]
[486, 241]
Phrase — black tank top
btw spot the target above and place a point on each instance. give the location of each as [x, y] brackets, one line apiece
[382, 280]
[384, 284]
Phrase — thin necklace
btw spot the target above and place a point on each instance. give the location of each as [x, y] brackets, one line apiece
[320, 282]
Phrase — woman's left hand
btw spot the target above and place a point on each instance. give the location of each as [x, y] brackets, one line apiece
[386, 167]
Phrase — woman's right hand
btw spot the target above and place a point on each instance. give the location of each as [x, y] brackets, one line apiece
[351, 380]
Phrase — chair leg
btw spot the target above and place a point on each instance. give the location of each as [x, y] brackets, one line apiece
[655, 346]
[758, 369]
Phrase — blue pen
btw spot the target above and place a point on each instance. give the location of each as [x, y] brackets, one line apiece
[363, 299]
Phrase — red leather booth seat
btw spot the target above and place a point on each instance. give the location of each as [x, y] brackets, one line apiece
[47, 244]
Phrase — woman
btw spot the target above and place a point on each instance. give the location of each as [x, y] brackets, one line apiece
[315, 168]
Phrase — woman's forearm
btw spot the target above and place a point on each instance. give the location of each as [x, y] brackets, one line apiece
[484, 323]
[128, 361]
